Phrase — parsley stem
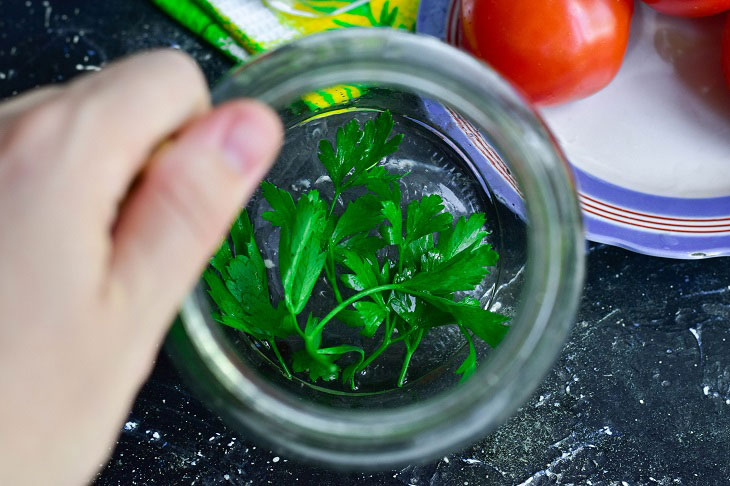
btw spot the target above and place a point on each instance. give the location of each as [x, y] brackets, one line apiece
[404, 368]
[338, 191]
[295, 322]
[342, 306]
[409, 353]
[383, 346]
[332, 274]
[286, 371]
[401, 337]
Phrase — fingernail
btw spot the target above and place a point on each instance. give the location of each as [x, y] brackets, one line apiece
[249, 143]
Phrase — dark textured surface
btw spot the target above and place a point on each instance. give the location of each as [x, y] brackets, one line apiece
[640, 395]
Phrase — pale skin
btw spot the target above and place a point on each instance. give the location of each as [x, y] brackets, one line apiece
[114, 191]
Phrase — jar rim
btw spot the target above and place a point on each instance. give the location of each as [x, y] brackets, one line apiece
[554, 272]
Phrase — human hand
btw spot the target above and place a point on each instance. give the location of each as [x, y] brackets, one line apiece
[114, 189]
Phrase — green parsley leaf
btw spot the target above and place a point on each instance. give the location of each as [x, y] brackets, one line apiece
[221, 258]
[366, 274]
[387, 190]
[375, 144]
[282, 205]
[360, 216]
[464, 234]
[341, 161]
[324, 368]
[488, 326]
[375, 177]
[312, 334]
[268, 323]
[242, 235]
[248, 282]
[361, 244]
[393, 234]
[367, 315]
[220, 294]
[469, 366]
[358, 151]
[469, 313]
[413, 254]
[348, 374]
[300, 250]
[418, 313]
[243, 296]
[463, 271]
[425, 217]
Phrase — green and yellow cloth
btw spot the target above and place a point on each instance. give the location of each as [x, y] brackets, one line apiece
[242, 27]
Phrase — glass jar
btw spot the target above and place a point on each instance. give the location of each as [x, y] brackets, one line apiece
[449, 105]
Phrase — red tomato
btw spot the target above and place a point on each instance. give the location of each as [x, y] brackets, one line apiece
[554, 50]
[689, 8]
[726, 50]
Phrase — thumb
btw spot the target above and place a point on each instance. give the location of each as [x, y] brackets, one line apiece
[183, 204]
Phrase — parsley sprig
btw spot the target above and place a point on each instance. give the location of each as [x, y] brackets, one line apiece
[401, 267]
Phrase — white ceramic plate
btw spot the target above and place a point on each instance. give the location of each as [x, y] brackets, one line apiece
[651, 151]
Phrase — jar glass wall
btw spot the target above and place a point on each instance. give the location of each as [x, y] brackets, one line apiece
[446, 104]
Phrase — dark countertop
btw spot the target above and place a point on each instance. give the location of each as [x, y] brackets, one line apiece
[640, 395]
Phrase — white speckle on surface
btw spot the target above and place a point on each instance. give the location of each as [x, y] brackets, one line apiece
[470, 460]
[698, 338]
[276, 459]
[130, 425]
[607, 430]
[47, 19]
[155, 435]
[641, 401]
[573, 444]
[87, 67]
[268, 263]
[446, 459]
[706, 390]
[227, 477]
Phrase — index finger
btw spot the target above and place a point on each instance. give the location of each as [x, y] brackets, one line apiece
[123, 112]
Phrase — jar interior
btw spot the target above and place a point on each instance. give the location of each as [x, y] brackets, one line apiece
[435, 162]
